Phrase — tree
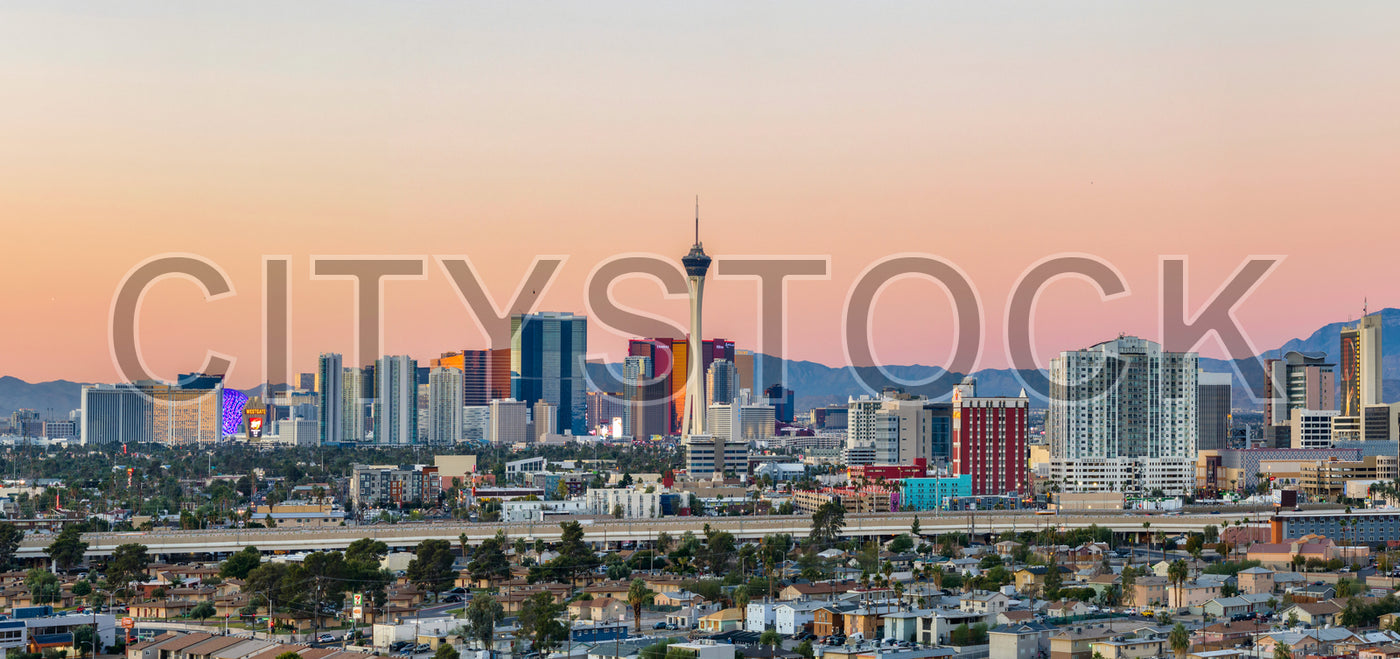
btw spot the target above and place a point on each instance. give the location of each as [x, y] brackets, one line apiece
[276, 584]
[431, 569]
[1177, 573]
[1128, 580]
[446, 651]
[637, 596]
[241, 563]
[68, 548]
[1282, 651]
[490, 560]
[770, 638]
[289, 655]
[741, 598]
[575, 557]
[324, 575]
[805, 649]
[482, 614]
[1180, 640]
[10, 535]
[127, 566]
[1053, 581]
[539, 622]
[1292, 619]
[202, 611]
[828, 522]
[82, 588]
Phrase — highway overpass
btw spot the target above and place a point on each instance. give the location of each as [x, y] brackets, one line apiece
[408, 535]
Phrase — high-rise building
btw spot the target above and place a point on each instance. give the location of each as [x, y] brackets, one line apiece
[306, 381]
[114, 414]
[1126, 403]
[1123, 398]
[547, 363]
[990, 440]
[507, 425]
[485, 373]
[696, 263]
[648, 402]
[743, 366]
[1361, 376]
[445, 406]
[353, 404]
[187, 412]
[719, 382]
[604, 406]
[1297, 381]
[330, 379]
[1361, 365]
[780, 398]
[542, 419]
[1213, 410]
[395, 400]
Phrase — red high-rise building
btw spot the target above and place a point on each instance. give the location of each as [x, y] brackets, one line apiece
[989, 441]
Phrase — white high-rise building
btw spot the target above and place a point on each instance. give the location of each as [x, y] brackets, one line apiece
[1123, 398]
[352, 404]
[445, 406]
[396, 400]
[508, 422]
[329, 388]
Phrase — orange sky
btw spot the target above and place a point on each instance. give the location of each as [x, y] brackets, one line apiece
[990, 134]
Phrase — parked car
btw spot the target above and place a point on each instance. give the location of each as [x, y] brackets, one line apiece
[659, 625]
[422, 647]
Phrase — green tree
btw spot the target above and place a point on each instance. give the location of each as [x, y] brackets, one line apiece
[127, 566]
[10, 535]
[490, 562]
[483, 614]
[770, 638]
[539, 622]
[446, 651]
[1282, 651]
[827, 523]
[431, 569]
[82, 588]
[575, 557]
[637, 594]
[202, 611]
[238, 565]
[1180, 640]
[67, 548]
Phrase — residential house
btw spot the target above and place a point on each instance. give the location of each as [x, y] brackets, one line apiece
[760, 616]
[1131, 647]
[987, 603]
[904, 624]
[792, 617]
[1317, 614]
[830, 619]
[1077, 642]
[599, 609]
[864, 621]
[1191, 593]
[677, 598]
[1066, 609]
[1027, 640]
[1034, 576]
[1149, 591]
[723, 620]
[1256, 580]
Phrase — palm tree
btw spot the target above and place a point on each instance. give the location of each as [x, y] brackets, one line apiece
[462, 543]
[1283, 651]
[636, 596]
[1180, 640]
[1177, 573]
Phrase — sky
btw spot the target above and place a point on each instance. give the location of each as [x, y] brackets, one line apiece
[992, 135]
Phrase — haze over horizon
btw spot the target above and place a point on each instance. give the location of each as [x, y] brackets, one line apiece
[991, 135]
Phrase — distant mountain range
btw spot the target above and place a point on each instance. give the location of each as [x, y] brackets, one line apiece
[817, 384]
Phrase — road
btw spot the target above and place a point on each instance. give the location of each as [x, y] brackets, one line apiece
[167, 542]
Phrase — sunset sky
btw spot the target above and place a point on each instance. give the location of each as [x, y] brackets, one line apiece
[990, 134]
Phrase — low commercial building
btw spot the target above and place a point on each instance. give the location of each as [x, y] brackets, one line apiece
[934, 493]
[1327, 479]
[1170, 475]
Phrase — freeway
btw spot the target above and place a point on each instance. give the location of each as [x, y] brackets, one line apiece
[217, 541]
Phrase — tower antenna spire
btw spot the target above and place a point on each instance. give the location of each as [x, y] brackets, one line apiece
[697, 219]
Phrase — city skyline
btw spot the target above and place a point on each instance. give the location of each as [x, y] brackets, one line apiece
[1253, 137]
